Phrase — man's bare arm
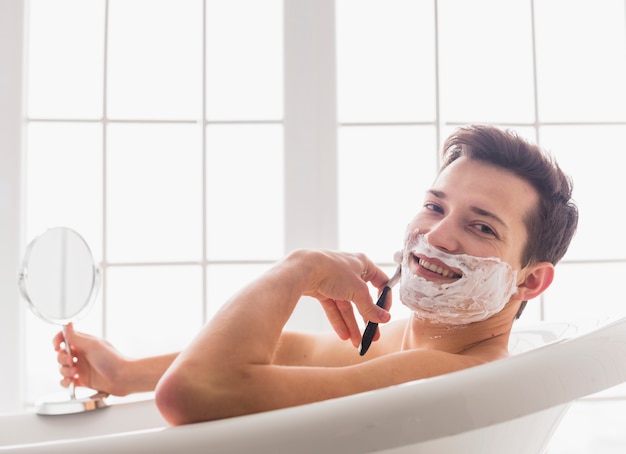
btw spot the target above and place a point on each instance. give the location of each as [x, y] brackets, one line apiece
[230, 368]
[96, 364]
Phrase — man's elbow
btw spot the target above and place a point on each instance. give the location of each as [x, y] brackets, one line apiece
[185, 397]
[179, 400]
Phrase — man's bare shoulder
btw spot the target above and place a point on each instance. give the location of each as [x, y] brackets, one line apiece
[327, 350]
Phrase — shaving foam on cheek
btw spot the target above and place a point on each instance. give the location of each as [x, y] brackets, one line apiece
[484, 288]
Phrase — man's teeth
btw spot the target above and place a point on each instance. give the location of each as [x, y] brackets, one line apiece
[437, 269]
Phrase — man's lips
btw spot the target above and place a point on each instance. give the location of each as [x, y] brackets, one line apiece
[430, 267]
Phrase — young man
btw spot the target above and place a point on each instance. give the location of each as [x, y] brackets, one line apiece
[497, 219]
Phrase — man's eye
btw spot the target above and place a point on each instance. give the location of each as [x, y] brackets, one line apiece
[433, 207]
[485, 229]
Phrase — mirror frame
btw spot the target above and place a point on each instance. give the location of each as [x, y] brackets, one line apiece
[23, 281]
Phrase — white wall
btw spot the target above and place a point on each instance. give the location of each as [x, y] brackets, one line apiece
[11, 310]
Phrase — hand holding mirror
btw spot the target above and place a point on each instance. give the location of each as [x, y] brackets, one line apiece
[60, 281]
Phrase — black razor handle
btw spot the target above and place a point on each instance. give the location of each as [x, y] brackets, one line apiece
[370, 329]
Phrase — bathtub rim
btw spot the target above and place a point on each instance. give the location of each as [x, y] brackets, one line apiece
[523, 394]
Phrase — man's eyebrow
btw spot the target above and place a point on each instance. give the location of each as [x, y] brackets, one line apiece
[489, 215]
[436, 193]
[480, 211]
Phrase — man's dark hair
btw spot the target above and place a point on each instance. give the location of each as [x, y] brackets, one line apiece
[552, 224]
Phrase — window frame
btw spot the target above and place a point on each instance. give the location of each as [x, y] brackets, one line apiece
[12, 25]
[310, 127]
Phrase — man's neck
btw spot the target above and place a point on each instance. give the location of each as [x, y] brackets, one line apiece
[494, 332]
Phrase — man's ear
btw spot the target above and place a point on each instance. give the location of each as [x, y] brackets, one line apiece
[538, 277]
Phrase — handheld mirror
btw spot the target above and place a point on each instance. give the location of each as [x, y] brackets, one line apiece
[60, 281]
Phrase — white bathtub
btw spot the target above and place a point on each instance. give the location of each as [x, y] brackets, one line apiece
[511, 405]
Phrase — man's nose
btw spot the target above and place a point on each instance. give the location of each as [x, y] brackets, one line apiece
[444, 235]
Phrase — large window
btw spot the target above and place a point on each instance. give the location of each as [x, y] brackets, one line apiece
[195, 142]
[155, 129]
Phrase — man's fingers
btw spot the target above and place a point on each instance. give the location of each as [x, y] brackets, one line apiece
[347, 315]
[372, 273]
[336, 320]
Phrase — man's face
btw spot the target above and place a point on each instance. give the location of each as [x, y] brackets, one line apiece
[477, 209]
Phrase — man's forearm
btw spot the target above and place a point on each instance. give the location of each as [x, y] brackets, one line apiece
[142, 375]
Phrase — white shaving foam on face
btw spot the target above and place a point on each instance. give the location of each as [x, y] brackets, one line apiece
[484, 288]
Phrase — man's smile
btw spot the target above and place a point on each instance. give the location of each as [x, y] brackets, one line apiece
[424, 266]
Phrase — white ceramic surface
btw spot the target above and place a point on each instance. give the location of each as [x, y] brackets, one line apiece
[511, 405]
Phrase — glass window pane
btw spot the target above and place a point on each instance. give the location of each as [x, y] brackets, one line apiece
[581, 67]
[65, 58]
[385, 60]
[245, 192]
[42, 370]
[383, 174]
[153, 310]
[567, 300]
[590, 156]
[155, 59]
[486, 63]
[64, 179]
[154, 197]
[223, 281]
[244, 59]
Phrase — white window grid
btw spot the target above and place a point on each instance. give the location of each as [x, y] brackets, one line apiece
[316, 144]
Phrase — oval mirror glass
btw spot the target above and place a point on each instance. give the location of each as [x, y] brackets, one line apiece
[59, 279]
